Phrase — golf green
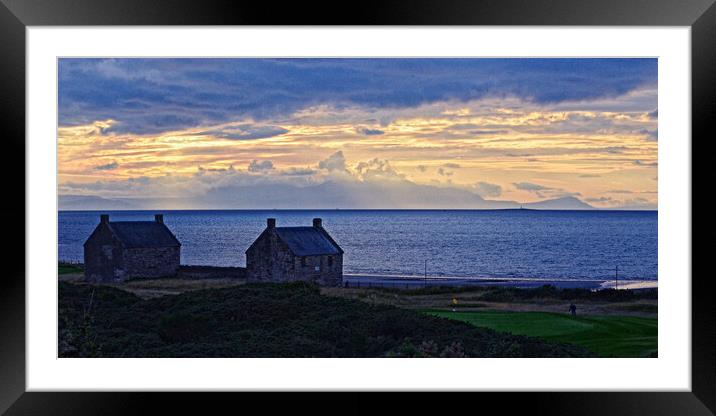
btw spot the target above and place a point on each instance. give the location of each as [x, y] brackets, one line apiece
[606, 336]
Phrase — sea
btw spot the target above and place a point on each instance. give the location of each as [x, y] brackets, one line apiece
[525, 244]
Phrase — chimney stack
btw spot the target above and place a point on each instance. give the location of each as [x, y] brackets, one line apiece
[271, 223]
[104, 218]
[159, 218]
[318, 223]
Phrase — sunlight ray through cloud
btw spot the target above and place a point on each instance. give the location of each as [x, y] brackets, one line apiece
[184, 128]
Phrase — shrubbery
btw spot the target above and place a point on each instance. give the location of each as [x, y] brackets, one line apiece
[511, 294]
[273, 320]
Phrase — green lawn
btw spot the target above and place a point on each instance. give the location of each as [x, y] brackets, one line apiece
[606, 336]
[67, 268]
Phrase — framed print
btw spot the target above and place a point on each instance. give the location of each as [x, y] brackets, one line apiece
[453, 198]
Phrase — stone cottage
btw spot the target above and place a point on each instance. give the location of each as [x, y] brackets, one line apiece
[282, 254]
[119, 250]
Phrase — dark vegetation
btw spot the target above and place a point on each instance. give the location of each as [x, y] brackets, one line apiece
[511, 294]
[270, 320]
[467, 305]
[640, 307]
[514, 294]
[69, 268]
[211, 272]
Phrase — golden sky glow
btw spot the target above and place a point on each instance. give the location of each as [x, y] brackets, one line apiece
[499, 146]
[602, 150]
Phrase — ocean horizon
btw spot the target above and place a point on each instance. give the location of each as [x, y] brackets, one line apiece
[460, 243]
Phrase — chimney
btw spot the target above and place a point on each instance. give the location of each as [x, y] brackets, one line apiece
[270, 222]
[159, 218]
[318, 223]
[104, 218]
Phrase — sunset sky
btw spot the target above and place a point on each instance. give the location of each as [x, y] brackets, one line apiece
[520, 130]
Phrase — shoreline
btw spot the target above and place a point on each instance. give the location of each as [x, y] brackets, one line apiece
[368, 280]
[358, 280]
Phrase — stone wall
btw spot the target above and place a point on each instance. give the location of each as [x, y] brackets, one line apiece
[151, 262]
[103, 257]
[106, 260]
[270, 260]
[325, 270]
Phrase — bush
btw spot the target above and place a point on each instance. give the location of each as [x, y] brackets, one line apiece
[511, 294]
[278, 320]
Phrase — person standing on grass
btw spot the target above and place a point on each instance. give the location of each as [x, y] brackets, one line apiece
[573, 309]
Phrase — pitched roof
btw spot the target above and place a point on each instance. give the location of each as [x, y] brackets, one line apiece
[308, 241]
[143, 234]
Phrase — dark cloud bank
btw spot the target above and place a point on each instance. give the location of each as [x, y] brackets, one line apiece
[155, 95]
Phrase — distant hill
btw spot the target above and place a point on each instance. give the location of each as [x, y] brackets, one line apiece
[566, 203]
[637, 207]
[91, 203]
[326, 195]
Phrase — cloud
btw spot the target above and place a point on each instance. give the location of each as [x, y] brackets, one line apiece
[636, 202]
[615, 149]
[263, 166]
[544, 191]
[488, 132]
[443, 172]
[653, 114]
[372, 183]
[334, 163]
[148, 95]
[625, 191]
[108, 166]
[377, 170]
[651, 135]
[246, 132]
[601, 200]
[227, 189]
[451, 165]
[631, 203]
[369, 132]
[486, 189]
[298, 171]
[170, 116]
[229, 169]
[530, 187]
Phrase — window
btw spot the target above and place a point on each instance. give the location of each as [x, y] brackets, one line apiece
[303, 261]
[317, 268]
[330, 262]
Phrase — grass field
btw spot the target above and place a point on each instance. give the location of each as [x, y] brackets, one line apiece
[67, 268]
[606, 336]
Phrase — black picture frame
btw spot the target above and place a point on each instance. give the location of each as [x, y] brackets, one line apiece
[16, 15]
